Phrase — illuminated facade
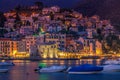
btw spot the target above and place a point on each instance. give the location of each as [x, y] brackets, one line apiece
[59, 39]
[98, 48]
[32, 41]
[20, 52]
[89, 46]
[12, 48]
[48, 50]
[7, 47]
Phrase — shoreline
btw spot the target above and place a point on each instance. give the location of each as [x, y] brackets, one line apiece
[37, 59]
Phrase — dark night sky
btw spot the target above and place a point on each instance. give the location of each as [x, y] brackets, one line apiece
[6, 5]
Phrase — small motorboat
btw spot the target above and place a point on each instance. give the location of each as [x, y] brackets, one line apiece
[53, 69]
[111, 62]
[84, 69]
[111, 68]
[6, 64]
[3, 70]
[40, 66]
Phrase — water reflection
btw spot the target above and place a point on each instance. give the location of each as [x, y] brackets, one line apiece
[53, 76]
[24, 69]
[72, 62]
[43, 77]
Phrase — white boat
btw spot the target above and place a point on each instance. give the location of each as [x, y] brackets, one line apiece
[111, 68]
[53, 69]
[111, 62]
[6, 64]
[3, 70]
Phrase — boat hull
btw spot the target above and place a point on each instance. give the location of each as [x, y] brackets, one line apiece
[84, 69]
[112, 62]
[6, 64]
[93, 72]
[50, 71]
[53, 69]
[112, 68]
[3, 70]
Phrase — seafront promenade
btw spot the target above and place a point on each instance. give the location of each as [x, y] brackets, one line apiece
[82, 57]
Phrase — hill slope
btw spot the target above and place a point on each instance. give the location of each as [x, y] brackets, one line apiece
[106, 9]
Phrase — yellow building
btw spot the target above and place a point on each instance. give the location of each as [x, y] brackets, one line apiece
[21, 55]
[20, 50]
[98, 48]
[13, 48]
[48, 50]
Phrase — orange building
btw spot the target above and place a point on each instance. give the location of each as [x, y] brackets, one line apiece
[11, 48]
[7, 47]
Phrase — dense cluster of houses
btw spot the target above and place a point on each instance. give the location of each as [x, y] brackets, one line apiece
[53, 33]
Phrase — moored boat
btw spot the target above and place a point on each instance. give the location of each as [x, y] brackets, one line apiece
[6, 64]
[111, 68]
[111, 62]
[85, 69]
[53, 69]
[3, 70]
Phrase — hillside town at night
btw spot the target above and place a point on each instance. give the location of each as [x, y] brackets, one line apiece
[59, 40]
[55, 33]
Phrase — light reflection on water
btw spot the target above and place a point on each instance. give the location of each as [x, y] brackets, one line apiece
[24, 70]
[72, 62]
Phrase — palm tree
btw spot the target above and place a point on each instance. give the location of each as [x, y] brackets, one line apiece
[39, 4]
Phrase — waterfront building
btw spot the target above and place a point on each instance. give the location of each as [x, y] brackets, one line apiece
[48, 50]
[13, 48]
[89, 46]
[20, 52]
[98, 47]
[21, 46]
[7, 47]
[59, 39]
[32, 41]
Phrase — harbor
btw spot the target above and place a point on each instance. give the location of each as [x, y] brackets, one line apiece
[59, 40]
[24, 70]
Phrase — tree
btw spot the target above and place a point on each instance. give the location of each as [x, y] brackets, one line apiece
[39, 5]
[51, 15]
[17, 21]
[99, 37]
[18, 8]
[99, 31]
[34, 19]
[2, 19]
[112, 44]
[2, 32]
